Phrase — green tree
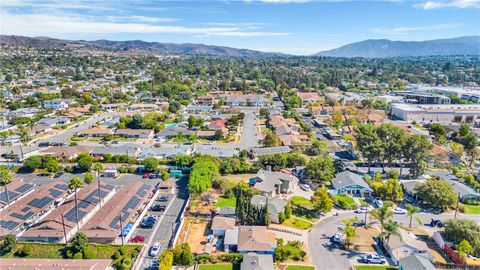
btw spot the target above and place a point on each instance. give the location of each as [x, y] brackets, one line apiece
[201, 176]
[73, 185]
[437, 131]
[416, 150]
[391, 228]
[349, 231]
[6, 178]
[464, 248]
[151, 164]
[368, 143]
[320, 170]
[322, 201]
[165, 175]
[393, 140]
[9, 244]
[52, 166]
[166, 260]
[391, 190]
[78, 244]
[457, 230]
[436, 193]
[182, 255]
[88, 178]
[85, 163]
[411, 211]
[271, 139]
[382, 214]
[33, 162]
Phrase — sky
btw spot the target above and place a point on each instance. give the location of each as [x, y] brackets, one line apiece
[299, 27]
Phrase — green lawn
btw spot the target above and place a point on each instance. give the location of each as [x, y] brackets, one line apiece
[375, 267]
[221, 266]
[301, 201]
[300, 267]
[297, 223]
[345, 202]
[472, 209]
[226, 202]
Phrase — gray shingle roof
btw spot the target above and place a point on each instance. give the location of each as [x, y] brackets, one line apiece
[416, 262]
[347, 178]
[252, 261]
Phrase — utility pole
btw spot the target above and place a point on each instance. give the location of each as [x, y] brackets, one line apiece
[456, 207]
[121, 226]
[98, 186]
[365, 221]
[63, 225]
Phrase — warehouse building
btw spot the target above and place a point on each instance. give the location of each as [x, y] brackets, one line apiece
[438, 113]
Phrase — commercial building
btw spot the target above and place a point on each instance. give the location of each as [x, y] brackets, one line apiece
[57, 103]
[128, 201]
[439, 113]
[31, 207]
[62, 221]
[426, 98]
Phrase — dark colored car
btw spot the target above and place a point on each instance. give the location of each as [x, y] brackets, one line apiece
[436, 223]
[153, 176]
[162, 199]
[157, 207]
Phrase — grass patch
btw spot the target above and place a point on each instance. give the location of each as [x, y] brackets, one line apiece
[226, 202]
[375, 267]
[300, 267]
[301, 201]
[345, 202]
[220, 266]
[297, 223]
[472, 209]
[56, 251]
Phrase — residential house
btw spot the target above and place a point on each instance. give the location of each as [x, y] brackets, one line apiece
[51, 122]
[256, 152]
[130, 150]
[172, 132]
[134, 133]
[143, 107]
[276, 205]
[253, 261]
[221, 224]
[217, 124]
[215, 151]
[247, 100]
[226, 211]
[230, 241]
[350, 183]
[66, 152]
[166, 151]
[54, 264]
[404, 245]
[273, 183]
[37, 129]
[205, 100]
[415, 262]
[192, 109]
[256, 239]
[99, 131]
[308, 97]
[112, 106]
[57, 104]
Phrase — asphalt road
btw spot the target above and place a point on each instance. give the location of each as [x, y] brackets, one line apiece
[166, 222]
[327, 256]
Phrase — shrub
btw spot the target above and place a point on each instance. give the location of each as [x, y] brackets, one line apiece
[9, 244]
[203, 258]
[88, 253]
[25, 251]
[281, 217]
[78, 255]
[231, 257]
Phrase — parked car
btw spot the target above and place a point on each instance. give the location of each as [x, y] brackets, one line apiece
[409, 199]
[361, 210]
[157, 207]
[208, 143]
[305, 187]
[146, 175]
[153, 176]
[162, 199]
[374, 258]
[137, 239]
[337, 238]
[399, 211]
[154, 249]
[148, 222]
[436, 223]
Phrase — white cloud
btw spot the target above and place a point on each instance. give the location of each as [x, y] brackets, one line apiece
[429, 5]
[403, 30]
[58, 25]
[140, 19]
[280, 1]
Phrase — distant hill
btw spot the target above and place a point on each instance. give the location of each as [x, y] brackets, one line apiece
[381, 48]
[153, 47]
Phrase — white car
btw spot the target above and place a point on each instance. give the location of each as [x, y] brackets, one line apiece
[361, 210]
[374, 258]
[154, 250]
[208, 143]
[337, 238]
[399, 211]
[305, 187]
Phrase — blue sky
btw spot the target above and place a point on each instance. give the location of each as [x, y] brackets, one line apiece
[289, 26]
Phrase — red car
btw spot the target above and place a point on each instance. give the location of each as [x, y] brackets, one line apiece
[137, 239]
[147, 175]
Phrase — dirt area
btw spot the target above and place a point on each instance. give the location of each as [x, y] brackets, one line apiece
[194, 232]
[425, 235]
[364, 241]
[238, 177]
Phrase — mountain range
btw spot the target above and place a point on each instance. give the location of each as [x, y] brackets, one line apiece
[372, 48]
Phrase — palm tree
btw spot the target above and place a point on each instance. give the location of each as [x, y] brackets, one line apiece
[349, 231]
[74, 184]
[382, 214]
[98, 168]
[411, 211]
[6, 178]
[391, 228]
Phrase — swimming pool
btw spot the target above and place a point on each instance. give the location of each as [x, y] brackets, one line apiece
[171, 125]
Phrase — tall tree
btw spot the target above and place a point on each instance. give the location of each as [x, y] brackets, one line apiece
[393, 139]
[382, 214]
[391, 228]
[320, 170]
[416, 150]
[411, 211]
[6, 178]
[73, 185]
[368, 142]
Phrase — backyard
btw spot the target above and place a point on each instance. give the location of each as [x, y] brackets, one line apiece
[299, 267]
[472, 209]
[222, 266]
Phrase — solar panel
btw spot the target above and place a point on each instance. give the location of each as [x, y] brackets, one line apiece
[132, 203]
[55, 192]
[40, 203]
[143, 190]
[24, 188]
[62, 187]
[115, 224]
[9, 225]
[108, 187]
[22, 217]
[25, 209]
[71, 215]
[11, 195]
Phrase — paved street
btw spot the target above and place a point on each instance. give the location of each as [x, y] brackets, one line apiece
[326, 256]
